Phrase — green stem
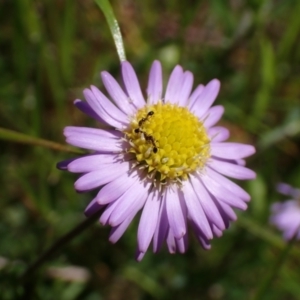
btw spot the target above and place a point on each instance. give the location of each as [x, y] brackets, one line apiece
[145, 282]
[113, 26]
[264, 234]
[59, 244]
[14, 136]
[274, 270]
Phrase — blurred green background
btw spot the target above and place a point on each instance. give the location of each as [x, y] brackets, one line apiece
[50, 50]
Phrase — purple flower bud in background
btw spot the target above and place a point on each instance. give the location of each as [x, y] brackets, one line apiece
[286, 215]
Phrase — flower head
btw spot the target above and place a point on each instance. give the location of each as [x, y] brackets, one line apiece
[163, 155]
[286, 215]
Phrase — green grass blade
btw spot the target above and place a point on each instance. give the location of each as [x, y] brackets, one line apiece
[113, 26]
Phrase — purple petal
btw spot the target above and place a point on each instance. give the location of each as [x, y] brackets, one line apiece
[194, 96]
[154, 90]
[132, 85]
[218, 134]
[223, 211]
[201, 238]
[104, 219]
[74, 130]
[162, 226]
[115, 189]
[92, 162]
[104, 108]
[231, 150]
[86, 109]
[207, 203]
[116, 93]
[276, 207]
[92, 208]
[139, 255]
[221, 193]
[195, 210]
[217, 232]
[288, 190]
[175, 215]
[231, 170]
[89, 142]
[95, 179]
[174, 85]
[63, 165]
[171, 242]
[290, 233]
[182, 244]
[148, 221]
[206, 98]
[107, 108]
[228, 212]
[227, 184]
[204, 242]
[117, 231]
[286, 217]
[213, 115]
[186, 88]
[93, 139]
[133, 199]
[240, 162]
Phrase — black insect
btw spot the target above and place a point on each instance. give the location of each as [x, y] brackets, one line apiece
[149, 138]
[143, 120]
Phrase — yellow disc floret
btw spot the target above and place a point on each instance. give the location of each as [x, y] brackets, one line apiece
[168, 140]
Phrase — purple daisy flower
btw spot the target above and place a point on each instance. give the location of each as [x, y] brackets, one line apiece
[163, 155]
[286, 215]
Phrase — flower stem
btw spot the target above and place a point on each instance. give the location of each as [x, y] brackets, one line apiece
[271, 275]
[14, 136]
[113, 26]
[59, 244]
[264, 234]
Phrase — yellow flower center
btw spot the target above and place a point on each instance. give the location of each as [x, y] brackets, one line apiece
[169, 141]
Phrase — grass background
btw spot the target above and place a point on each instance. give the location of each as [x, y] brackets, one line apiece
[50, 50]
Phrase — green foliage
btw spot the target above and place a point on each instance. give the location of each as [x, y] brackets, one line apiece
[51, 50]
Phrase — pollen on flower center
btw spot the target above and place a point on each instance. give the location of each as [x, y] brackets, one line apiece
[168, 140]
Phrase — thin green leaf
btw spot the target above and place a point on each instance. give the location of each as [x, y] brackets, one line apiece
[113, 26]
[291, 31]
[268, 78]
